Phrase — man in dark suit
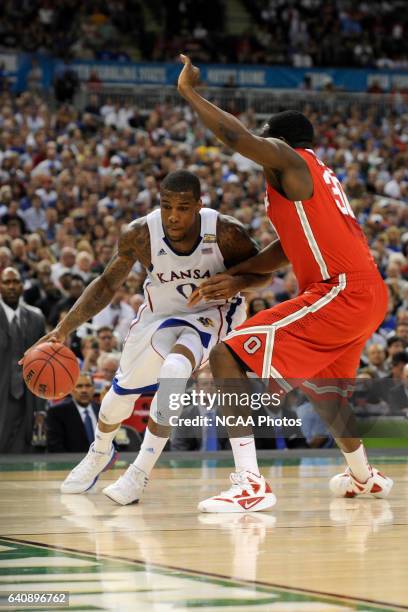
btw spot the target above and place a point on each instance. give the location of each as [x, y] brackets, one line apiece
[398, 397]
[71, 424]
[20, 327]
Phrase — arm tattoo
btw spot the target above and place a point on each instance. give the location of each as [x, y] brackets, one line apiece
[138, 241]
[228, 135]
[134, 244]
[235, 243]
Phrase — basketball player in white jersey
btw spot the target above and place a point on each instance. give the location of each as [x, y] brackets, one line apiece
[180, 245]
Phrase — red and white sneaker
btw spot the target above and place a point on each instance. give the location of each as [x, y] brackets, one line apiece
[249, 493]
[347, 485]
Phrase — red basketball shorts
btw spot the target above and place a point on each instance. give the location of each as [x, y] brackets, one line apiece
[320, 334]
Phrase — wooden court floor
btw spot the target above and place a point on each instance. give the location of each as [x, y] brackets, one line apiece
[310, 553]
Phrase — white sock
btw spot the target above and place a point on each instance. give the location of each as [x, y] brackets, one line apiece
[358, 464]
[103, 441]
[150, 451]
[244, 452]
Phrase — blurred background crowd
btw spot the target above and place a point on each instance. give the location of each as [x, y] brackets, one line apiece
[69, 180]
[72, 175]
[291, 32]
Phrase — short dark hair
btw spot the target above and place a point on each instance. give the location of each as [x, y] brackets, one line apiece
[400, 357]
[294, 127]
[88, 374]
[182, 180]
[393, 340]
[77, 277]
[104, 328]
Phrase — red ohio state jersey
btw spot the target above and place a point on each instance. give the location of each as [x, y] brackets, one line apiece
[320, 236]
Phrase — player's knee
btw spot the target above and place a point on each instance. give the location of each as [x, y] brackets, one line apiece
[173, 377]
[116, 408]
[176, 366]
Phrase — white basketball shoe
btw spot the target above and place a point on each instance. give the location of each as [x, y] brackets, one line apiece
[249, 493]
[85, 474]
[128, 489]
[347, 485]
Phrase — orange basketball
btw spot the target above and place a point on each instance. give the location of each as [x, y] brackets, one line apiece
[50, 370]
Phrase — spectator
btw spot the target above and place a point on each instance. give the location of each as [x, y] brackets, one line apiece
[20, 327]
[401, 331]
[83, 266]
[395, 345]
[66, 262]
[5, 258]
[118, 315]
[107, 342]
[34, 290]
[64, 304]
[50, 165]
[398, 362]
[290, 288]
[90, 354]
[66, 84]
[280, 34]
[376, 359]
[106, 367]
[64, 281]
[20, 260]
[399, 395]
[71, 424]
[256, 305]
[34, 216]
[136, 301]
[313, 428]
[381, 388]
[88, 195]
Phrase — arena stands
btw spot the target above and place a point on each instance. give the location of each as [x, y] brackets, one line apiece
[69, 180]
[300, 33]
[82, 157]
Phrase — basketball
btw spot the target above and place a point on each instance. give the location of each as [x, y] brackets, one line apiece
[50, 370]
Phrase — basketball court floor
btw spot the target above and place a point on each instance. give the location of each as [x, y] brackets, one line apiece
[310, 553]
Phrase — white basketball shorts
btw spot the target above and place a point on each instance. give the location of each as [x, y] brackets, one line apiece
[151, 338]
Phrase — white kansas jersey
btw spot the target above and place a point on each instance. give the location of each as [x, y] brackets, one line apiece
[173, 277]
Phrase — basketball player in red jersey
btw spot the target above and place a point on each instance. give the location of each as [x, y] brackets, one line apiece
[342, 298]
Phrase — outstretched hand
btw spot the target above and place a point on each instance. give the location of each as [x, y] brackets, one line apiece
[219, 287]
[190, 75]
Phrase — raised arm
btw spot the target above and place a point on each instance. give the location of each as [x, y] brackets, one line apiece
[271, 153]
[133, 245]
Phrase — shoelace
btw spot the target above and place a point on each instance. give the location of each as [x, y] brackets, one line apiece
[87, 464]
[239, 484]
[135, 476]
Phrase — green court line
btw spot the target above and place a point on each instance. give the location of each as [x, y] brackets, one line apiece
[52, 465]
[105, 563]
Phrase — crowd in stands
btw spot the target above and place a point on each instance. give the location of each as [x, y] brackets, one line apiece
[337, 33]
[299, 32]
[69, 181]
[70, 27]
